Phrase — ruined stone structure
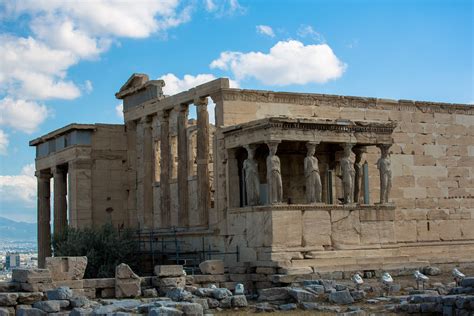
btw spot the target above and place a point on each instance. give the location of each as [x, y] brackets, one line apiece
[393, 186]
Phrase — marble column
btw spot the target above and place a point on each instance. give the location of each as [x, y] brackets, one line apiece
[147, 173]
[44, 216]
[60, 199]
[165, 169]
[203, 161]
[183, 211]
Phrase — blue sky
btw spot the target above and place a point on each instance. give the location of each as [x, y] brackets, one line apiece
[62, 62]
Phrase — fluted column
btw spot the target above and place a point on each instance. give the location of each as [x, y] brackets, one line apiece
[203, 160]
[147, 173]
[183, 211]
[44, 216]
[165, 169]
[60, 202]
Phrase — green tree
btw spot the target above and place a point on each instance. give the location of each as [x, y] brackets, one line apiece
[105, 247]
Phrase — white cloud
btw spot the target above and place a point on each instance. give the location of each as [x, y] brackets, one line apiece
[265, 30]
[307, 31]
[3, 142]
[288, 62]
[106, 17]
[30, 69]
[20, 188]
[223, 8]
[22, 115]
[34, 66]
[119, 110]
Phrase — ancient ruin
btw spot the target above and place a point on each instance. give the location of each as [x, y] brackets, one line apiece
[298, 183]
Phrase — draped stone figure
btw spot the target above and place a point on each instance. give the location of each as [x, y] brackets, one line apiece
[275, 187]
[385, 169]
[311, 173]
[358, 167]
[348, 175]
[252, 183]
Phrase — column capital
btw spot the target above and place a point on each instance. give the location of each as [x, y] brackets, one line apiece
[183, 107]
[163, 115]
[43, 174]
[146, 119]
[200, 101]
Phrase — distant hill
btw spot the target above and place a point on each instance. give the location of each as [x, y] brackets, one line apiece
[12, 230]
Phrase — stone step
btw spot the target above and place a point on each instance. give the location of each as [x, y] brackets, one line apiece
[390, 252]
[348, 260]
[372, 266]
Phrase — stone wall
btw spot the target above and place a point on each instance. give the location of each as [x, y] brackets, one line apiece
[432, 156]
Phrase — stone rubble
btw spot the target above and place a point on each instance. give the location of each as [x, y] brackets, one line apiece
[174, 293]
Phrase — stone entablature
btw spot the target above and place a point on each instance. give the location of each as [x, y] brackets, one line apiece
[344, 101]
[337, 131]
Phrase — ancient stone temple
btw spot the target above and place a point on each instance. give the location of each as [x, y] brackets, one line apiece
[311, 181]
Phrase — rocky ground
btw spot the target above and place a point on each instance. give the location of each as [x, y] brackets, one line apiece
[309, 297]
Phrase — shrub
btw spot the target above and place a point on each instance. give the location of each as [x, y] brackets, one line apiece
[105, 247]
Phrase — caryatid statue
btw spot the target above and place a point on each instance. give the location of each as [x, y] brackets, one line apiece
[358, 167]
[252, 183]
[311, 173]
[385, 169]
[348, 174]
[275, 187]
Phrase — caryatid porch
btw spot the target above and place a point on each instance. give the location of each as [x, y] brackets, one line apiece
[304, 161]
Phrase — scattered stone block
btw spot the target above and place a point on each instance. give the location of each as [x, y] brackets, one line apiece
[66, 268]
[225, 302]
[300, 295]
[212, 267]
[221, 293]
[178, 294]
[341, 297]
[164, 283]
[29, 311]
[212, 303]
[30, 298]
[204, 292]
[169, 270]
[99, 283]
[264, 307]
[430, 270]
[77, 311]
[9, 287]
[150, 293]
[5, 311]
[48, 306]
[79, 302]
[191, 308]
[358, 295]
[36, 287]
[239, 301]
[8, 299]
[468, 282]
[165, 311]
[31, 275]
[274, 294]
[127, 283]
[288, 307]
[61, 293]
